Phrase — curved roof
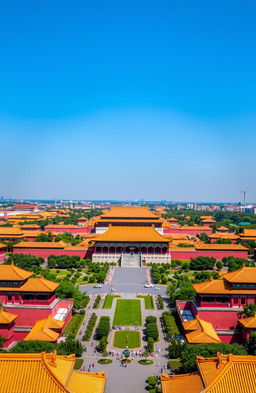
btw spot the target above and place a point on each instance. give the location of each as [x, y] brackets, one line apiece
[223, 373]
[44, 372]
[129, 212]
[243, 275]
[202, 332]
[42, 330]
[249, 323]
[38, 284]
[130, 234]
[59, 244]
[13, 273]
[6, 317]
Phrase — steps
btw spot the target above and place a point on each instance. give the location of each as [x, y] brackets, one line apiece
[130, 260]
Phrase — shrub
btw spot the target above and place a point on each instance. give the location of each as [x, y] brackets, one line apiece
[90, 327]
[103, 327]
[150, 345]
[97, 301]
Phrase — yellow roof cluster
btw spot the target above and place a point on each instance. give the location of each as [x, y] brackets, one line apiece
[200, 332]
[130, 234]
[44, 330]
[46, 373]
[220, 374]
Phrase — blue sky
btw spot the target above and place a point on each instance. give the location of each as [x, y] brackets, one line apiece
[127, 100]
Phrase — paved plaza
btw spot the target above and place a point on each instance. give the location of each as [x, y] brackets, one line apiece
[126, 280]
[120, 379]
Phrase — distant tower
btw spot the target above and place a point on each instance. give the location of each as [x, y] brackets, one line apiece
[71, 204]
[244, 192]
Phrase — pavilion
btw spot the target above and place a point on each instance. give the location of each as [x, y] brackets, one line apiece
[128, 216]
[127, 242]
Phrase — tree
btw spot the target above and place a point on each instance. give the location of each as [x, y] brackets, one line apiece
[219, 265]
[249, 310]
[251, 344]
[70, 346]
[150, 345]
[44, 237]
[202, 263]
[234, 263]
[204, 237]
[181, 289]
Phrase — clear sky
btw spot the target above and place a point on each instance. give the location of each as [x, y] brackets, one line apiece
[127, 100]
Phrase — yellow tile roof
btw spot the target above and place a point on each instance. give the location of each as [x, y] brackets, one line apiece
[10, 231]
[31, 233]
[81, 382]
[220, 374]
[155, 220]
[2, 245]
[195, 227]
[208, 220]
[25, 226]
[184, 383]
[220, 287]
[13, 273]
[42, 330]
[61, 226]
[202, 332]
[222, 228]
[234, 374]
[220, 247]
[231, 236]
[248, 233]
[130, 234]
[129, 212]
[6, 317]
[46, 373]
[39, 284]
[249, 323]
[243, 275]
[59, 244]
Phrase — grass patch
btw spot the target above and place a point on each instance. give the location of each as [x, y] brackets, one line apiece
[129, 339]
[74, 324]
[78, 364]
[146, 362]
[127, 313]
[174, 364]
[108, 301]
[149, 303]
[105, 361]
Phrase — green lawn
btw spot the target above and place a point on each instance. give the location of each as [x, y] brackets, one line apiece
[108, 301]
[149, 303]
[127, 339]
[74, 324]
[78, 364]
[127, 313]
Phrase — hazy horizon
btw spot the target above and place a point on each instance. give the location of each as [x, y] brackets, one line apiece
[128, 101]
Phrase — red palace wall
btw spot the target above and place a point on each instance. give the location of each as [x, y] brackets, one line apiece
[190, 232]
[39, 252]
[74, 231]
[187, 255]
